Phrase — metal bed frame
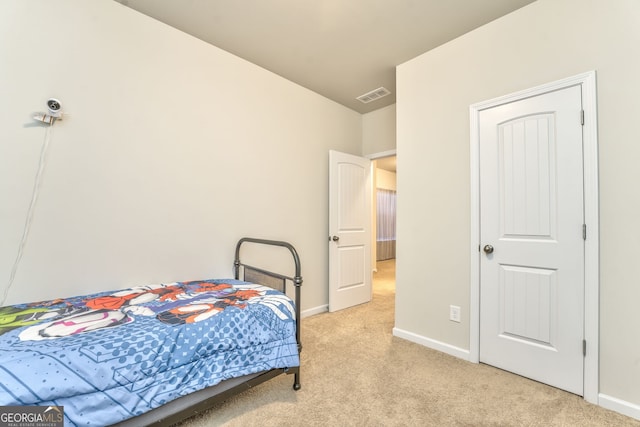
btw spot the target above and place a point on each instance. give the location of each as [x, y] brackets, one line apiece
[195, 403]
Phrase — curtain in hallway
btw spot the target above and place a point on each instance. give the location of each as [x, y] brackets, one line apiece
[386, 225]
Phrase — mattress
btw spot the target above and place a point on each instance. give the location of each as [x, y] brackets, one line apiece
[110, 356]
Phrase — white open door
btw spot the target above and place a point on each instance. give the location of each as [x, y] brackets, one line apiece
[350, 272]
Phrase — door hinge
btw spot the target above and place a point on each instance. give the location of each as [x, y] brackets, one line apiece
[584, 347]
[584, 231]
[582, 117]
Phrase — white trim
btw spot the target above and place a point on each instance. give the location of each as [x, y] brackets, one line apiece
[587, 81]
[592, 244]
[431, 343]
[381, 154]
[315, 310]
[474, 267]
[621, 406]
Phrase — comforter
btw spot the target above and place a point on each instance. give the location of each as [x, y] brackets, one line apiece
[110, 356]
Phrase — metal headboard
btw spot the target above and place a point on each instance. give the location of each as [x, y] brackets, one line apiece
[273, 280]
[269, 278]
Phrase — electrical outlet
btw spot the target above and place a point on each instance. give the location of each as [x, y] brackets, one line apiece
[454, 313]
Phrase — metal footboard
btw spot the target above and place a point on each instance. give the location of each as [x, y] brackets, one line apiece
[273, 280]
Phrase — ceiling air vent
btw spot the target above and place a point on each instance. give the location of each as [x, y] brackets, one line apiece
[373, 95]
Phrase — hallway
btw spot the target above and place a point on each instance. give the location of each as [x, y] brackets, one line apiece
[384, 279]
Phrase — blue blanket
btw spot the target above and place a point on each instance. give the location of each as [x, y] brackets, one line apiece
[110, 356]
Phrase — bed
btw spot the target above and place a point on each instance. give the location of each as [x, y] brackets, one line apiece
[156, 354]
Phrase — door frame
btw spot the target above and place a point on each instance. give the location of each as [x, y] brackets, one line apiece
[374, 212]
[587, 82]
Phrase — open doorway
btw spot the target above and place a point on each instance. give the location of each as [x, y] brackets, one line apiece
[384, 230]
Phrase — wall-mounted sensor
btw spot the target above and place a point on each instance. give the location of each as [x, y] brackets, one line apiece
[55, 108]
[55, 112]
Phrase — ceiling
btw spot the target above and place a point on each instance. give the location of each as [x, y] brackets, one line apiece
[340, 49]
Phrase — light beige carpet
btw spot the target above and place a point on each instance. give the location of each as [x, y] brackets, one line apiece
[355, 373]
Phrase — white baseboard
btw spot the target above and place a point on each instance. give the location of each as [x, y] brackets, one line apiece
[608, 402]
[618, 405]
[433, 344]
[316, 310]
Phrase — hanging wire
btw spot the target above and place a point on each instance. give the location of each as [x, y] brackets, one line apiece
[27, 225]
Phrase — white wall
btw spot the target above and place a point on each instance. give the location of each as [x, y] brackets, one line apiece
[385, 179]
[543, 42]
[379, 130]
[173, 150]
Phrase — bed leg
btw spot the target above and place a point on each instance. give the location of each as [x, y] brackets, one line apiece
[296, 382]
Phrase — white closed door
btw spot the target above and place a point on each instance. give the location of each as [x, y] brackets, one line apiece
[350, 272]
[531, 234]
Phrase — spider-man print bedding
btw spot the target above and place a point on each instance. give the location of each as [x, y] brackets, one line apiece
[108, 357]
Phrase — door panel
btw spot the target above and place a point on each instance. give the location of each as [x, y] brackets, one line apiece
[526, 151]
[531, 213]
[350, 262]
[349, 230]
[527, 303]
